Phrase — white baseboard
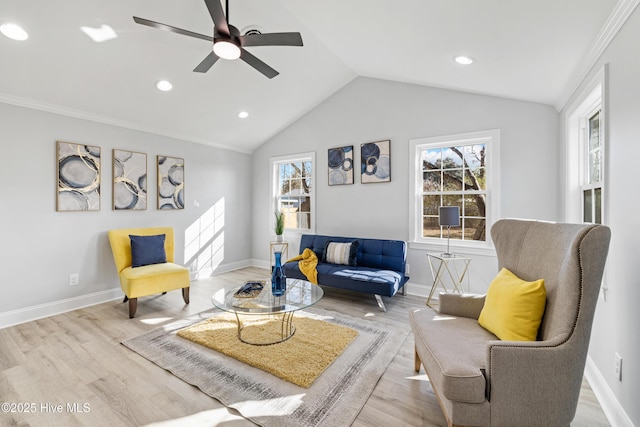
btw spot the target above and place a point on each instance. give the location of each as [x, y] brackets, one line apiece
[418, 289]
[610, 405]
[28, 314]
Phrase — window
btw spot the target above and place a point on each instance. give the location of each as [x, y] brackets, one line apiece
[456, 170]
[585, 155]
[293, 190]
[592, 166]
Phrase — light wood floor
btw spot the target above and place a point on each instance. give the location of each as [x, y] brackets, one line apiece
[76, 360]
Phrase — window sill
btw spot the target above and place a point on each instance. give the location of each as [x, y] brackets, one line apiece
[457, 248]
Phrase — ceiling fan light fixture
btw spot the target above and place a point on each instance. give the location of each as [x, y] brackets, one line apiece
[226, 49]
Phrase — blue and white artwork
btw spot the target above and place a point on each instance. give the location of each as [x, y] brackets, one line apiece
[375, 163]
[78, 177]
[129, 180]
[340, 161]
[170, 183]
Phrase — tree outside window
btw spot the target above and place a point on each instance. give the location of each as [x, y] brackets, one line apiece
[455, 176]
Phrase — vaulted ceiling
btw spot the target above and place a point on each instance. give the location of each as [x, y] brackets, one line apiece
[526, 50]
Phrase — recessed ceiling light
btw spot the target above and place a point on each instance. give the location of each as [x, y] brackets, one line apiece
[243, 114]
[463, 60]
[164, 85]
[101, 34]
[13, 31]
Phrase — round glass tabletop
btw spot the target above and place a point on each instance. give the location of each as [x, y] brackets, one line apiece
[300, 294]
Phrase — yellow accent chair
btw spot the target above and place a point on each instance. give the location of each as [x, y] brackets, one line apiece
[147, 279]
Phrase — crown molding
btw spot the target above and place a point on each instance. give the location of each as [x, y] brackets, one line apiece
[619, 15]
[69, 112]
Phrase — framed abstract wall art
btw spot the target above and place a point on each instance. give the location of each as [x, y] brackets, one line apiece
[129, 180]
[78, 170]
[170, 183]
[340, 162]
[375, 162]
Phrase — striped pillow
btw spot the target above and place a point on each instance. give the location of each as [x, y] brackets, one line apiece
[340, 253]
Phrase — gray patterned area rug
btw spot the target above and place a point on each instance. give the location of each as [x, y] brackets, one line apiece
[334, 399]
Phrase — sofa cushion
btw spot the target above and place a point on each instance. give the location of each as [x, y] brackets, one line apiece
[147, 250]
[340, 253]
[453, 351]
[513, 307]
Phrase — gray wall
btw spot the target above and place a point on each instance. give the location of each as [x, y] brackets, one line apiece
[368, 110]
[41, 247]
[617, 318]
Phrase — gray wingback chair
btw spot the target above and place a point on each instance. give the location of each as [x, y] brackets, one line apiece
[482, 381]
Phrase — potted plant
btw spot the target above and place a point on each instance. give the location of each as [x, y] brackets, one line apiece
[279, 228]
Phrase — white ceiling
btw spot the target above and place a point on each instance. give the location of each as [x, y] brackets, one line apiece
[527, 50]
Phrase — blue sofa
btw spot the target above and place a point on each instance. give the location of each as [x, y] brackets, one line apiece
[379, 266]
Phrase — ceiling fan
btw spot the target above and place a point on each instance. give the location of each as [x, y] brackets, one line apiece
[228, 43]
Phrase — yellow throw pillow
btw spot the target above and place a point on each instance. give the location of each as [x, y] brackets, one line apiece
[513, 308]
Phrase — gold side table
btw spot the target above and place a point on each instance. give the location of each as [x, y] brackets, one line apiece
[449, 270]
[282, 247]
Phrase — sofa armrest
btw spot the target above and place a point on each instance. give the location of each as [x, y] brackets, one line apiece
[461, 305]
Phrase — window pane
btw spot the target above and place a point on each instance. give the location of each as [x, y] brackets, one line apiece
[430, 205]
[587, 206]
[595, 151]
[432, 159]
[471, 207]
[475, 179]
[452, 180]
[598, 196]
[474, 229]
[452, 200]
[451, 158]
[431, 181]
[430, 227]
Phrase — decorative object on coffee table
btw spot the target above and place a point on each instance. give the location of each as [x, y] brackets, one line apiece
[278, 278]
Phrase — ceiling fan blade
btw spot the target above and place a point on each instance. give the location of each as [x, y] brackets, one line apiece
[166, 27]
[258, 64]
[217, 14]
[272, 39]
[207, 63]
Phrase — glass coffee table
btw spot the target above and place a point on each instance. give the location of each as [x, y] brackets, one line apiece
[262, 307]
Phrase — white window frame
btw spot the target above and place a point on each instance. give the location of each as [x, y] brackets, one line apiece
[587, 103]
[275, 161]
[492, 163]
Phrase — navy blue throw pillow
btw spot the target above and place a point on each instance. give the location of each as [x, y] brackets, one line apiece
[146, 250]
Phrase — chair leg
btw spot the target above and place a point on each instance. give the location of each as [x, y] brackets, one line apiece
[416, 361]
[133, 306]
[185, 295]
[126, 298]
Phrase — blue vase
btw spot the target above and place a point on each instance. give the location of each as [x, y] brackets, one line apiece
[278, 279]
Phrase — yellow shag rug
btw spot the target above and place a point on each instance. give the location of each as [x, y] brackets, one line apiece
[300, 360]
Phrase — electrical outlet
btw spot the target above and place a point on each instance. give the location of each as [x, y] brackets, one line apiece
[617, 366]
[407, 269]
[74, 279]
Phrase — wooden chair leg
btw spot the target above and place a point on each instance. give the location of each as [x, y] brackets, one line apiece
[126, 298]
[416, 361]
[133, 306]
[185, 295]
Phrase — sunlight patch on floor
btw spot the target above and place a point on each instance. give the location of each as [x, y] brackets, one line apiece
[276, 407]
[210, 418]
[419, 378]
